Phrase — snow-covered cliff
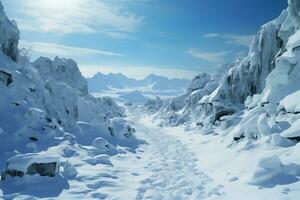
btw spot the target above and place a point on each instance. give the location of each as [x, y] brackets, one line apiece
[254, 96]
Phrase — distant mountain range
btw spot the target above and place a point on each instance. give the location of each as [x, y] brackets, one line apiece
[100, 82]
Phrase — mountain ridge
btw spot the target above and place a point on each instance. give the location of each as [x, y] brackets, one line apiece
[100, 82]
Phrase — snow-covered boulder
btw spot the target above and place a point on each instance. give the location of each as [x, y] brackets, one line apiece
[120, 129]
[102, 146]
[41, 163]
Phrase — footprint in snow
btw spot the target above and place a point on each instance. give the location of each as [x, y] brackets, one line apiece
[100, 184]
[99, 196]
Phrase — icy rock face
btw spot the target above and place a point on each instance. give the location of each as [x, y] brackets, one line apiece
[9, 35]
[247, 77]
[256, 96]
[275, 110]
[294, 9]
[199, 82]
[227, 91]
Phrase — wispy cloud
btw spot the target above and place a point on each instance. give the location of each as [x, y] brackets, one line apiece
[215, 57]
[211, 35]
[63, 50]
[76, 16]
[240, 40]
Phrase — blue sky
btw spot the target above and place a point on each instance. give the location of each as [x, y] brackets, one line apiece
[175, 38]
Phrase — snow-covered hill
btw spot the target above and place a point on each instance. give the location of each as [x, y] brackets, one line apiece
[46, 110]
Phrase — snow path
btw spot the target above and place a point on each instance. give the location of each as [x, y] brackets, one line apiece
[163, 168]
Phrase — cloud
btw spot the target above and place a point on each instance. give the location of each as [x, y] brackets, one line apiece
[215, 57]
[139, 72]
[211, 35]
[63, 50]
[75, 16]
[240, 40]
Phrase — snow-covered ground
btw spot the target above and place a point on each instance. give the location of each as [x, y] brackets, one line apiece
[173, 163]
[182, 163]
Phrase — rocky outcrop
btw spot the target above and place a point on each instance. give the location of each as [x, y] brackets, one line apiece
[62, 70]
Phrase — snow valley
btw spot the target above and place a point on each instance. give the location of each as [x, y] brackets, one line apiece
[232, 134]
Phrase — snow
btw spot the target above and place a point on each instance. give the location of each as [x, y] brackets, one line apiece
[231, 135]
[100, 159]
[23, 161]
